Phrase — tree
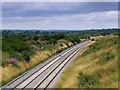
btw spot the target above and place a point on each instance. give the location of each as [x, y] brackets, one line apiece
[53, 41]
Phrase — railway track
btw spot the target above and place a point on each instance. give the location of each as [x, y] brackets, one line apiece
[43, 75]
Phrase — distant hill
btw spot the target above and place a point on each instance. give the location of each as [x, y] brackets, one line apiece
[92, 31]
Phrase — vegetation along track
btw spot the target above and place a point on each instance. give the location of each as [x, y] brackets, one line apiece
[42, 74]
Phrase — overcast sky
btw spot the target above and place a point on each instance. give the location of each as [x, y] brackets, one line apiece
[61, 15]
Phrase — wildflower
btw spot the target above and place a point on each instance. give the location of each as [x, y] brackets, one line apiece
[12, 60]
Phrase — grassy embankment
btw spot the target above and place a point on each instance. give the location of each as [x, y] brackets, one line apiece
[95, 67]
[11, 70]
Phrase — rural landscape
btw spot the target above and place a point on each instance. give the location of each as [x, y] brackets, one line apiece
[59, 45]
[98, 64]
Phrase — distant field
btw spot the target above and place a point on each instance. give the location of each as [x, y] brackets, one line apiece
[96, 67]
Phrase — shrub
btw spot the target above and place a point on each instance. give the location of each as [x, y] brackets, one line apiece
[4, 59]
[92, 48]
[26, 56]
[86, 80]
[3, 63]
[73, 38]
[13, 61]
[53, 41]
[101, 44]
[106, 56]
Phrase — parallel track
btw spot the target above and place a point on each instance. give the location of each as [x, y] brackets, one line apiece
[55, 72]
[56, 64]
[41, 73]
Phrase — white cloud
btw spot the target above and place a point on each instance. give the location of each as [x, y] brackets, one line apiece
[112, 14]
[106, 19]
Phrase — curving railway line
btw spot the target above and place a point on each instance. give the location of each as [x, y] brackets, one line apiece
[46, 74]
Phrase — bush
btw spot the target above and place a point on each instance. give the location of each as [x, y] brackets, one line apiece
[86, 80]
[92, 48]
[101, 44]
[73, 38]
[106, 56]
[3, 63]
[53, 41]
[26, 56]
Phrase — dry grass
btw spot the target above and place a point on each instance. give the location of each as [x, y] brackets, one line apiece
[71, 73]
[9, 72]
[89, 64]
